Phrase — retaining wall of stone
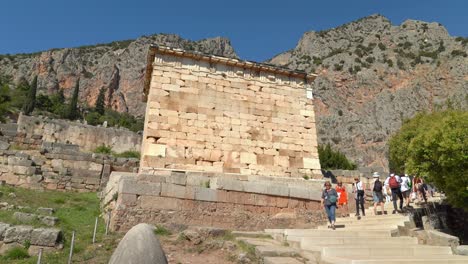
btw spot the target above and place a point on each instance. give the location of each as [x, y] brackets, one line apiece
[242, 202]
[44, 165]
[85, 136]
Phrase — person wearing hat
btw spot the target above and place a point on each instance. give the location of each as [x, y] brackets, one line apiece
[405, 189]
[377, 188]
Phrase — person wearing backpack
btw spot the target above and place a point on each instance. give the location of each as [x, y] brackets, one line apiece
[359, 190]
[328, 201]
[377, 193]
[405, 189]
[394, 183]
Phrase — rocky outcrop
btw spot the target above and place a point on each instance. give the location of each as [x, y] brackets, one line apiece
[373, 75]
[117, 67]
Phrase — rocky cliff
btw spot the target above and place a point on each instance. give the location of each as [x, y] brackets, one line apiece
[118, 67]
[373, 75]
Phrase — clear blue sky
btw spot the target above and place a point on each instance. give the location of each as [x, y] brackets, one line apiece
[258, 29]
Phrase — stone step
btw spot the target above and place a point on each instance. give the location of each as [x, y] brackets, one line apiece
[434, 259]
[335, 233]
[363, 227]
[370, 215]
[366, 219]
[255, 234]
[309, 243]
[276, 251]
[387, 250]
[281, 260]
[258, 241]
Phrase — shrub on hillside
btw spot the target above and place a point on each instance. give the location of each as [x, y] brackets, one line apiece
[330, 159]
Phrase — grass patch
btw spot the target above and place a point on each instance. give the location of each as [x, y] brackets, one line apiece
[76, 212]
[249, 249]
[162, 231]
[15, 254]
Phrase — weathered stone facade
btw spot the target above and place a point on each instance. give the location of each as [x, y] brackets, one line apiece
[215, 114]
[87, 137]
[227, 143]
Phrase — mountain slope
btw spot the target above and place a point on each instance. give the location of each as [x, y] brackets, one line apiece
[117, 66]
[373, 75]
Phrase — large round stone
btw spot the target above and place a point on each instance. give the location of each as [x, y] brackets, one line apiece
[139, 246]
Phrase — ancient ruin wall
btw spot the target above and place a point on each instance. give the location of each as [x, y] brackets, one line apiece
[207, 113]
[87, 137]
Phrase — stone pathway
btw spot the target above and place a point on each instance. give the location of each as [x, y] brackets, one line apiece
[371, 240]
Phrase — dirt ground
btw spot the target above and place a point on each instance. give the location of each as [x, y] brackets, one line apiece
[216, 250]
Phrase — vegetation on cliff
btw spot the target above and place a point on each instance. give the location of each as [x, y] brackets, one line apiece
[331, 159]
[435, 146]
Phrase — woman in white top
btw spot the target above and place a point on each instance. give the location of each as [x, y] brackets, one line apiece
[359, 190]
[405, 189]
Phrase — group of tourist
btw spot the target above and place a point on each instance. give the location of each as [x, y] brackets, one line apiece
[403, 188]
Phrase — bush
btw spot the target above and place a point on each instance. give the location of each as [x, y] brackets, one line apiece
[103, 149]
[330, 159]
[382, 46]
[434, 146]
[455, 53]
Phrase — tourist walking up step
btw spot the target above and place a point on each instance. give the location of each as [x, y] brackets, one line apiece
[405, 188]
[377, 188]
[359, 191]
[342, 197]
[394, 182]
[328, 201]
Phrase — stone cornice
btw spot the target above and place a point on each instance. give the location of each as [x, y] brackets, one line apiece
[261, 67]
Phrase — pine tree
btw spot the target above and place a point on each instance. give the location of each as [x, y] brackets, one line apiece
[100, 101]
[30, 102]
[73, 107]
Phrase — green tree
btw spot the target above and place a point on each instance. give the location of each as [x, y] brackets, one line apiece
[73, 113]
[435, 146]
[100, 101]
[330, 159]
[5, 100]
[19, 94]
[30, 102]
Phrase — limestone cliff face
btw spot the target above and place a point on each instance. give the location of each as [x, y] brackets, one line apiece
[118, 67]
[373, 75]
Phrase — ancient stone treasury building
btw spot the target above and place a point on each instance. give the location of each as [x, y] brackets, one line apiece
[226, 143]
[214, 114]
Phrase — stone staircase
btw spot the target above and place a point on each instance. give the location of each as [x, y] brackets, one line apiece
[373, 239]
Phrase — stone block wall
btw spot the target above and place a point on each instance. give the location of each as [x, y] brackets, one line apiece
[222, 115]
[32, 163]
[85, 136]
[233, 201]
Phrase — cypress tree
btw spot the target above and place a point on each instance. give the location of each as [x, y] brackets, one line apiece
[30, 102]
[73, 107]
[100, 104]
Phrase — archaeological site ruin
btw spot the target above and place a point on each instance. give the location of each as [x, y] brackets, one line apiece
[226, 143]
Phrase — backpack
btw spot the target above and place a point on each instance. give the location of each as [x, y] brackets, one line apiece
[378, 186]
[393, 183]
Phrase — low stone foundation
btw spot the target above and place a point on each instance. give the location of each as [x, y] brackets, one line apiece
[231, 201]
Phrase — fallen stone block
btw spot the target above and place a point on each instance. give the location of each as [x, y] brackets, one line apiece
[48, 237]
[19, 234]
[49, 220]
[3, 228]
[25, 217]
[9, 246]
[45, 211]
[4, 145]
